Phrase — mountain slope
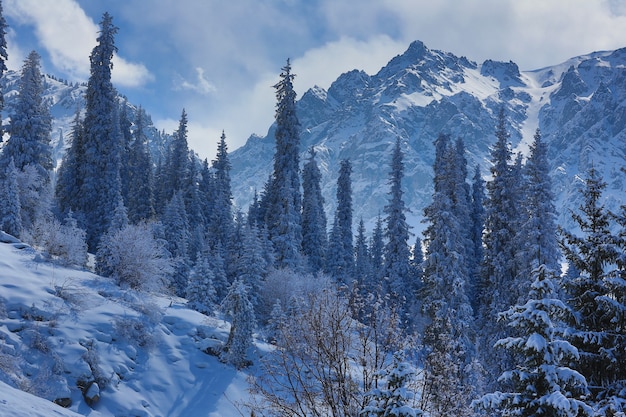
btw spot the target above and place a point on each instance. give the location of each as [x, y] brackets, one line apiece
[578, 105]
[62, 329]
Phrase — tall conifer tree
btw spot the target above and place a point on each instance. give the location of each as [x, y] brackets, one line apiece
[283, 216]
[597, 295]
[221, 220]
[340, 259]
[314, 236]
[397, 252]
[3, 58]
[140, 200]
[30, 123]
[100, 171]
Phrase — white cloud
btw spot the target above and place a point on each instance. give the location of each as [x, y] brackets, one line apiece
[201, 85]
[532, 33]
[321, 66]
[68, 36]
[57, 25]
[128, 74]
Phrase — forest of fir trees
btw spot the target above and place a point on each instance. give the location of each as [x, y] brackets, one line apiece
[495, 310]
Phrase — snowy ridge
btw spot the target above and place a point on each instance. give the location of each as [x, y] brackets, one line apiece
[65, 327]
[423, 93]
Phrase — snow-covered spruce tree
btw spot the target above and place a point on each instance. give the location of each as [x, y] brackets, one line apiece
[251, 266]
[69, 181]
[104, 263]
[29, 143]
[314, 236]
[200, 293]
[176, 228]
[30, 124]
[99, 171]
[238, 307]
[340, 256]
[192, 199]
[538, 231]
[397, 399]
[3, 58]
[477, 218]
[377, 248]
[173, 172]
[283, 215]
[597, 294]
[127, 139]
[541, 384]
[362, 259]
[140, 193]
[221, 219]
[499, 272]
[397, 252]
[448, 338]
[10, 208]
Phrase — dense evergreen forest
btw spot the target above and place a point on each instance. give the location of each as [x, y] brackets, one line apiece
[495, 310]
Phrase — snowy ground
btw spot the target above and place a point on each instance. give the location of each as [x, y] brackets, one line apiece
[61, 326]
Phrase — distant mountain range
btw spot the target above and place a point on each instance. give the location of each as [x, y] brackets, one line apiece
[579, 105]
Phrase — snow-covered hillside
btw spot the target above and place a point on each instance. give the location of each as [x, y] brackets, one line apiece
[66, 328]
[579, 105]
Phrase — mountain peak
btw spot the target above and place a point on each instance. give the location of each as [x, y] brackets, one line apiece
[507, 73]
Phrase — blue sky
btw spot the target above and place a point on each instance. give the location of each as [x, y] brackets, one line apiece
[218, 59]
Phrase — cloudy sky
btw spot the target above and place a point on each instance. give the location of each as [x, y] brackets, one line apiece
[218, 59]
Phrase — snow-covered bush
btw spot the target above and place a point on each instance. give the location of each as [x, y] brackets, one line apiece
[135, 330]
[283, 285]
[65, 242]
[134, 258]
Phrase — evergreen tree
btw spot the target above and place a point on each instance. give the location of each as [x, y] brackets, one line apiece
[200, 292]
[538, 230]
[251, 265]
[217, 265]
[10, 213]
[69, 180]
[127, 139]
[396, 400]
[100, 171]
[477, 219]
[499, 274]
[416, 268]
[447, 337]
[283, 216]
[176, 228]
[597, 295]
[397, 252]
[340, 259]
[314, 238]
[174, 171]
[377, 247]
[238, 307]
[3, 58]
[140, 196]
[30, 125]
[362, 259]
[541, 384]
[221, 220]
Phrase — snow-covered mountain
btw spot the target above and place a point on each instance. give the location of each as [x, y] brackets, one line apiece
[579, 105]
[65, 98]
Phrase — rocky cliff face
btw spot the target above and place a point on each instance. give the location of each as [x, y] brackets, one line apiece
[578, 105]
